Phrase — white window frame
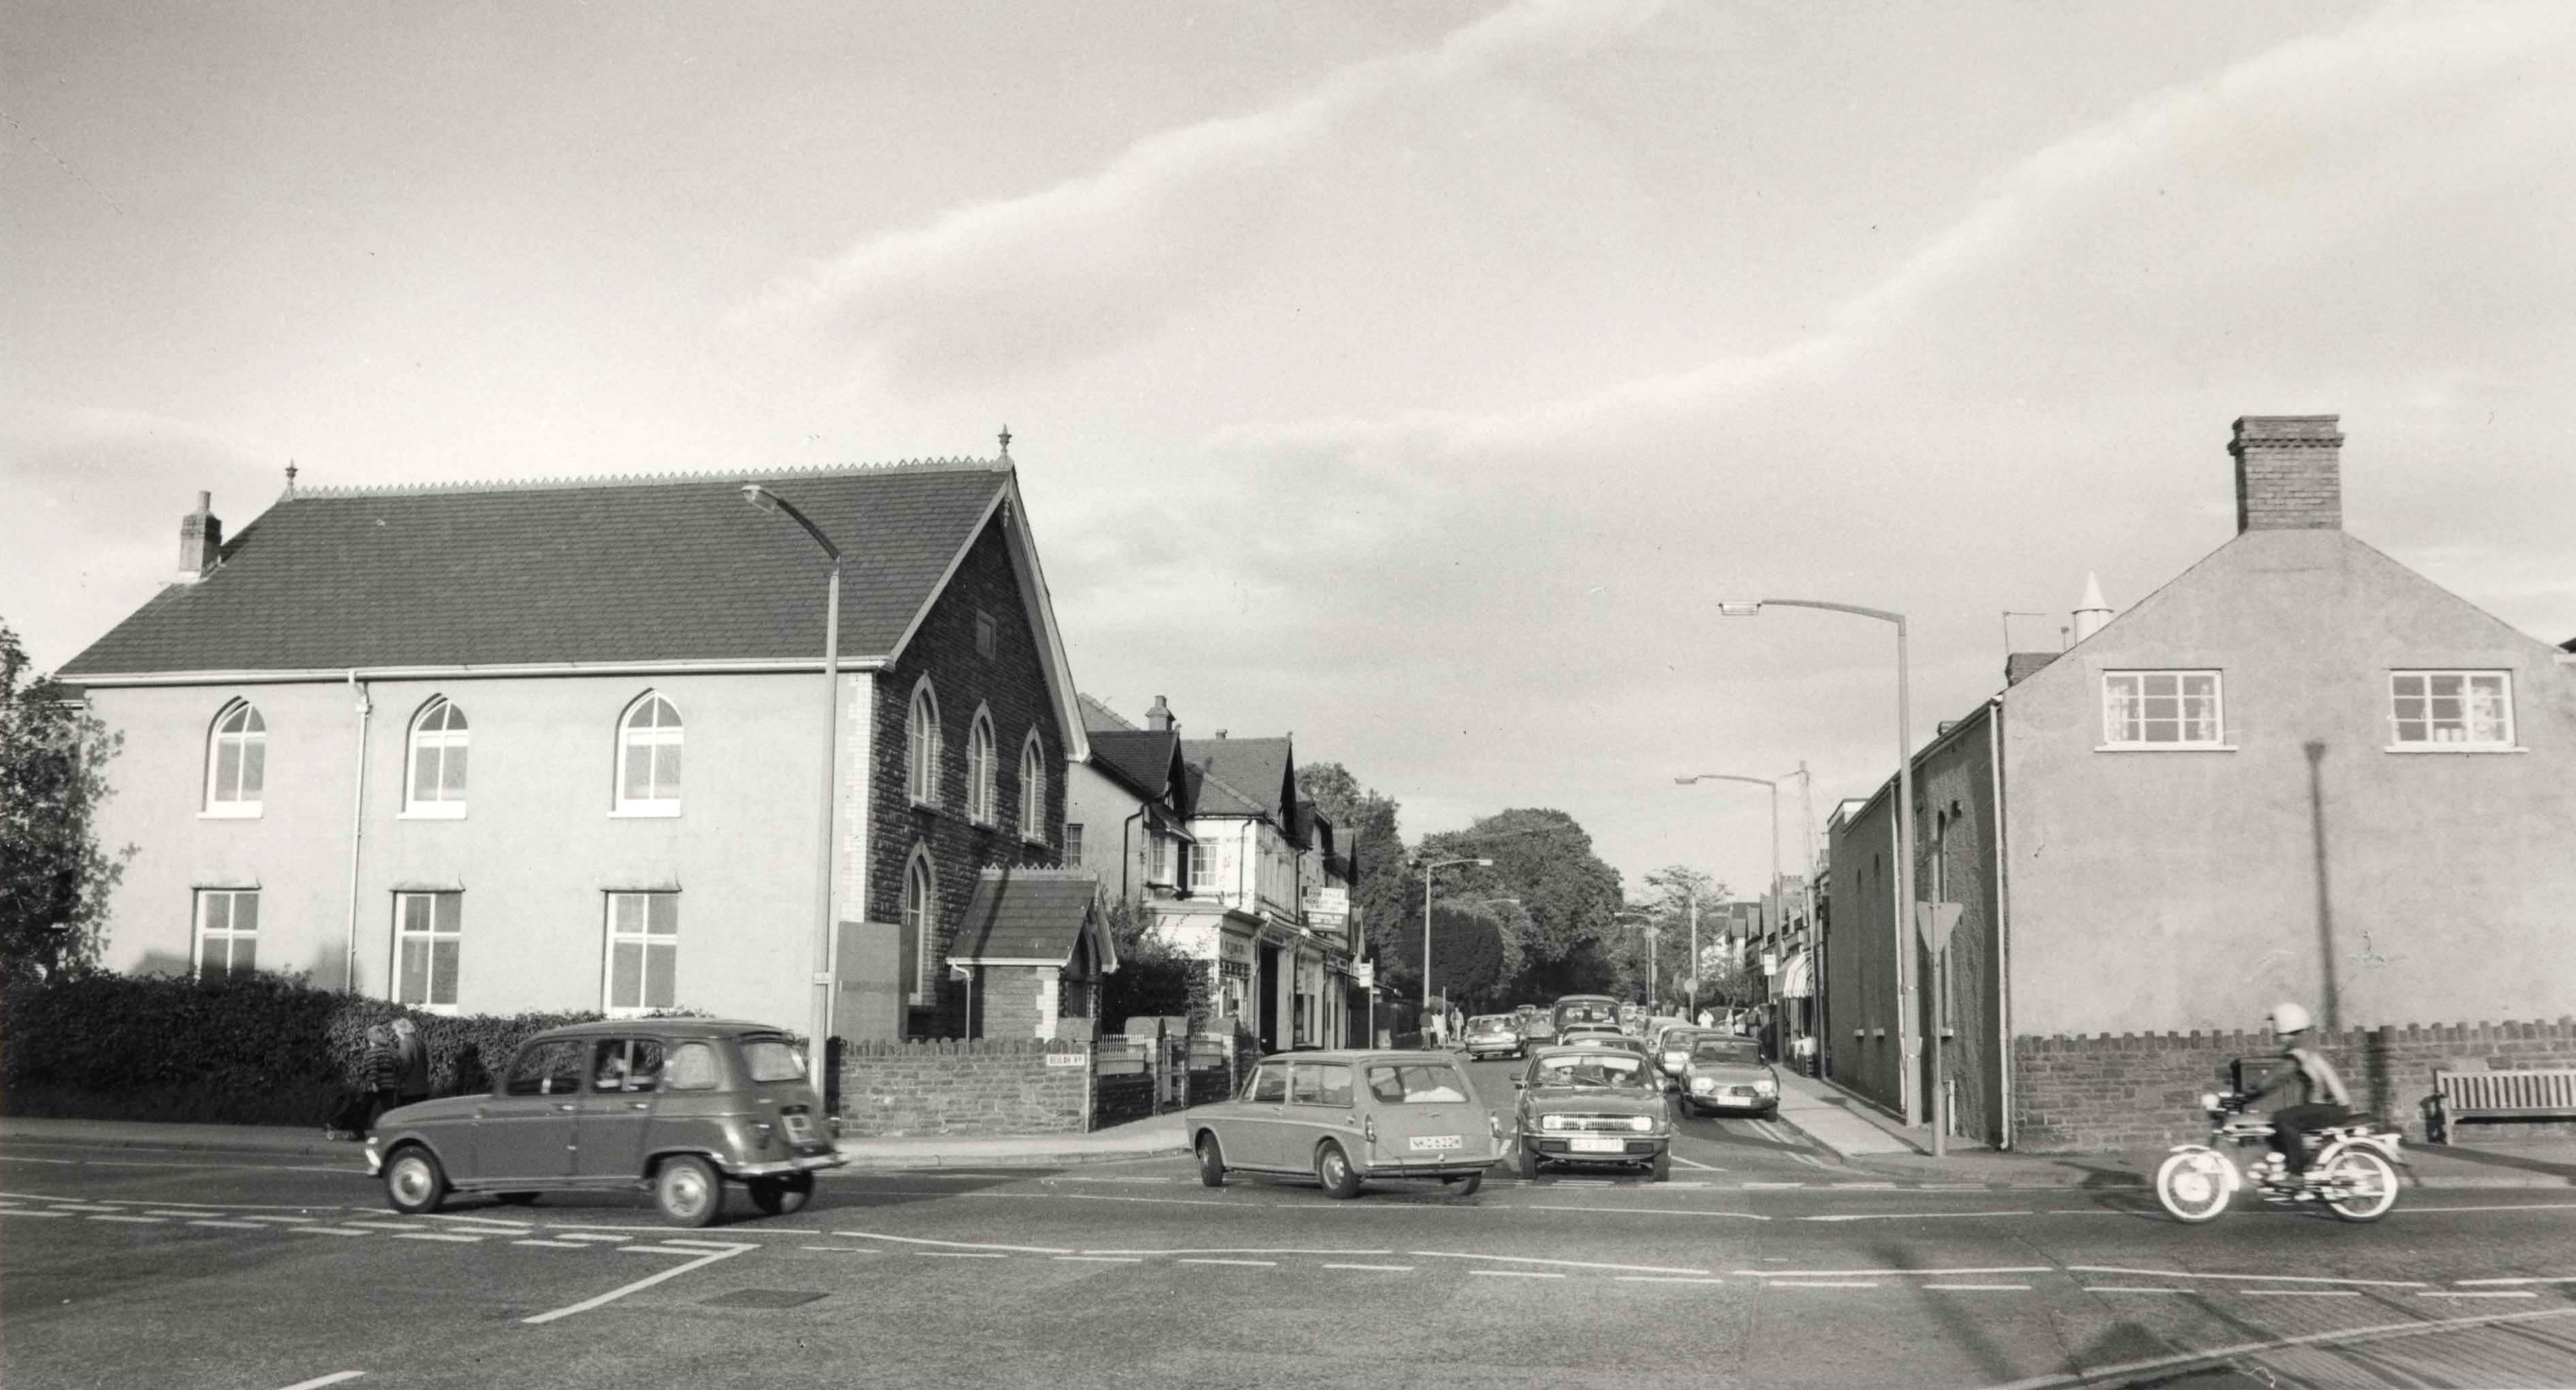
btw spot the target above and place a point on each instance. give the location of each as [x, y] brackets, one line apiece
[2113, 735]
[1033, 789]
[229, 934]
[922, 745]
[645, 941]
[429, 941]
[452, 738]
[656, 736]
[983, 776]
[252, 735]
[1073, 844]
[921, 918]
[2433, 742]
[1204, 882]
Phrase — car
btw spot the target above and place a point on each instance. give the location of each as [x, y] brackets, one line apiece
[1591, 1107]
[1726, 1073]
[1593, 1034]
[1541, 1028]
[674, 1106]
[1671, 1048]
[1494, 1035]
[1349, 1117]
[1572, 1009]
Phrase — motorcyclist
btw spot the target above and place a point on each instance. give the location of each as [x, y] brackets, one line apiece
[2322, 1098]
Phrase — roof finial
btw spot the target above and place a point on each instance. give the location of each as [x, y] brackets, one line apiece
[1006, 443]
[290, 477]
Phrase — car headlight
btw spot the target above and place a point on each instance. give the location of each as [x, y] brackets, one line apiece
[1551, 1122]
[1702, 1085]
[1641, 1123]
[2209, 1100]
[1766, 1085]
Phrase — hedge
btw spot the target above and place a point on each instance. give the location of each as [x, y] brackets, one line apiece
[254, 1049]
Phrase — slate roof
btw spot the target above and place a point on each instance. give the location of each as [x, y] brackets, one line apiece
[1240, 776]
[1100, 718]
[2021, 666]
[1141, 758]
[581, 570]
[1028, 914]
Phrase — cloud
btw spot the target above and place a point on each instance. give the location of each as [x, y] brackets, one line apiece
[1098, 260]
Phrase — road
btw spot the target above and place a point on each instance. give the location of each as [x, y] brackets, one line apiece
[1763, 1263]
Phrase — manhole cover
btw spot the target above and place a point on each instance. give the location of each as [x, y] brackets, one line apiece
[762, 1298]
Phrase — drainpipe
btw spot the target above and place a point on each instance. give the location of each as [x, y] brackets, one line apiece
[357, 832]
[2003, 922]
[1126, 857]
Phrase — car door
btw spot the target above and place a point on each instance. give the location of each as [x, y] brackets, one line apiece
[1259, 1137]
[1319, 1107]
[525, 1132]
[617, 1109]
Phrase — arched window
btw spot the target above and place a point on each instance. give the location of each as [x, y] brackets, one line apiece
[437, 785]
[236, 761]
[920, 924]
[982, 804]
[648, 758]
[1033, 789]
[921, 769]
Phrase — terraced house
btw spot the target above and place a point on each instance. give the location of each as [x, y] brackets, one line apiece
[564, 745]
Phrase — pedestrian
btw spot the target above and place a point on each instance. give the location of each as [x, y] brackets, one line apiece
[1707, 1019]
[411, 1063]
[380, 1074]
[1770, 1035]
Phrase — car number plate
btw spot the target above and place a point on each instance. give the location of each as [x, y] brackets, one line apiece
[1587, 1144]
[799, 1128]
[1423, 1143]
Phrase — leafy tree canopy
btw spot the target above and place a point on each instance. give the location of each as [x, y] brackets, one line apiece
[1568, 899]
[54, 878]
[1364, 826]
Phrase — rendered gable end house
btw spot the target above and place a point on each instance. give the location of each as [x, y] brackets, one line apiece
[2298, 771]
[554, 746]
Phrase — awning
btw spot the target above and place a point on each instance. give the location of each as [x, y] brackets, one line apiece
[1798, 976]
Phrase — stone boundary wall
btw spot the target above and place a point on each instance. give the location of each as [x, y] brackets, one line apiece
[1118, 1099]
[984, 1086]
[2087, 1093]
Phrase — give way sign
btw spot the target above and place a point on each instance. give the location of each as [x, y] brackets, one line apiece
[1933, 922]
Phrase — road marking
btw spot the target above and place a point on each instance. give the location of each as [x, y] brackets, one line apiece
[1274, 1264]
[2515, 1206]
[136, 1220]
[2480, 1293]
[384, 1225]
[593, 1236]
[1663, 1279]
[1819, 1284]
[1694, 1163]
[2303, 1293]
[2255, 1278]
[318, 1382]
[701, 1244]
[13, 1211]
[1377, 1269]
[553, 1244]
[234, 1225]
[844, 1249]
[660, 1250]
[327, 1231]
[440, 1235]
[291, 1220]
[182, 1215]
[2536, 1279]
[639, 1285]
[1874, 1273]
[963, 1254]
[85, 1206]
[1238, 1250]
[1514, 1274]
[2385, 1331]
[1101, 1259]
[1911, 1215]
[1980, 1288]
[1866, 1186]
[1535, 1260]
[1639, 1211]
[957, 1244]
[1774, 1184]
[2128, 1288]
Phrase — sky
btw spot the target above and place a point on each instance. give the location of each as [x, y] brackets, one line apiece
[1411, 378]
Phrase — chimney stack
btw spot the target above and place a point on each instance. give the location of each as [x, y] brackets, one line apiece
[2288, 473]
[1159, 718]
[201, 541]
[2090, 618]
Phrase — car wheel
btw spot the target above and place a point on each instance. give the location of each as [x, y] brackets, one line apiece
[688, 1190]
[1464, 1187]
[1333, 1169]
[414, 1183]
[514, 1199]
[1527, 1162]
[782, 1196]
[1211, 1161]
[1662, 1167]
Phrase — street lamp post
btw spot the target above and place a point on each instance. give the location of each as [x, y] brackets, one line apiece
[820, 1016]
[1904, 845]
[1654, 940]
[1779, 907]
[1427, 866]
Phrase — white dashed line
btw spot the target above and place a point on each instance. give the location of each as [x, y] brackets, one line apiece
[660, 1250]
[1694, 1163]
[843, 1249]
[2480, 1293]
[136, 1220]
[234, 1225]
[2535, 1279]
[2126, 1288]
[1514, 1274]
[1376, 1269]
[439, 1235]
[1564, 1264]
[1263, 1264]
[963, 1254]
[2250, 1278]
[553, 1244]
[327, 1231]
[182, 1215]
[1913, 1215]
[15, 1212]
[1663, 1279]
[1818, 1284]
[318, 1382]
[289, 1220]
[1101, 1259]
[965, 1245]
[384, 1225]
[2302, 1293]
[1980, 1288]
[699, 1244]
[1875, 1273]
[1774, 1184]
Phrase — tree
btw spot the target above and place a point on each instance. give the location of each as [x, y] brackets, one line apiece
[54, 878]
[1152, 977]
[1467, 957]
[1364, 826]
[1666, 907]
[1567, 925]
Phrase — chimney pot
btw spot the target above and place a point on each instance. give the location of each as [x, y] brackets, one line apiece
[1159, 718]
[2289, 474]
[201, 541]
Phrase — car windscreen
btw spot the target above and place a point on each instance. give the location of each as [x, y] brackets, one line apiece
[1415, 1083]
[1603, 1068]
[771, 1059]
[1727, 1050]
[1568, 1015]
[1491, 1023]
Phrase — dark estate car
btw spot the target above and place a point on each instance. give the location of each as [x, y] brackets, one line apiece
[1592, 1107]
[1345, 1118]
[678, 1106]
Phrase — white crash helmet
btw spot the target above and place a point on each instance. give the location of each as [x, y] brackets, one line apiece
[2290, 1018]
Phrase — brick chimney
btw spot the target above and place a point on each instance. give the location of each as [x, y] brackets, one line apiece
[201, 540]
[2288, 473]
[1159, 718]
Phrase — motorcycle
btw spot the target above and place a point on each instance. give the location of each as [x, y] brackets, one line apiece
[2354, 1171]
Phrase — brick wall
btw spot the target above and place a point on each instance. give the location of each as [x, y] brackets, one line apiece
[1118, 1099]
[2092, 1093]
[979, 1087]
[1011, 686]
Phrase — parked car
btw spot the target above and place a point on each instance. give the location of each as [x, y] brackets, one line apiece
[1728, 1073]
[1351, 1117]
[1494, 1035]
[1590, 1107]
[676, 1106]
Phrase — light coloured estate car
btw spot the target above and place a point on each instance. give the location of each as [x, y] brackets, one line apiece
[1494, 1035]
[1346, 1118]
[676, 1106]
[1727, 1073]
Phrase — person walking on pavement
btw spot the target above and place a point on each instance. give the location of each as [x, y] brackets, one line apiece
[411, 1063]
[381, 1073]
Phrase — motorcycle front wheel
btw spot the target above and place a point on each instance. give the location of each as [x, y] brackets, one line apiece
[2365, 1185]
[2193, 1185]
